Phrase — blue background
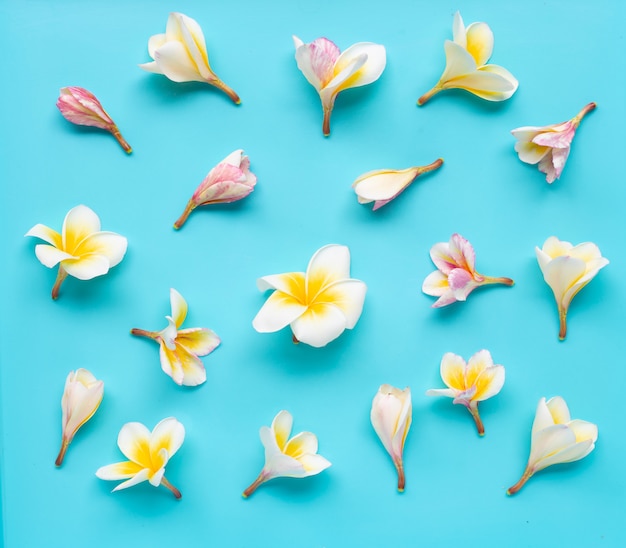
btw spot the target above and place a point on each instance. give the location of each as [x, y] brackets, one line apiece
[564, 55]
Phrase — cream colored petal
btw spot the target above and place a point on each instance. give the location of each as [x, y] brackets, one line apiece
[387, 408]
[484, 84]
[175, 63]
[339, 81]
[134, 441]
[383, 184]
[50, 256]
[301, 444]
[505, 90]
[291, 283]
[458, 62]
[448, 392]
[193, 371]
[278, 311]
[108, 244]
[329, 264]
[269, 443]
[453, 371]
[586, 251]
[155, 41]
[458, 30]
[479, 42]
[543, 417]
[548, 442]
[527, 133]
[79, 223]
[139, 478]
[281, 428]
[178, 306]
[87, 266]
[46, 234]
[319, 325]
[200, 341]
[85, 403]
[151, 67]
[348, 295]
[313, 464]
[553, 247]
[196, 47]
[570, 453]
[530, 153]
[155, 477]
[558, 410]
[542, 258]
[168, 434]
[118, 471]
[561, 274]
[370, 71]
[584, 430]
[172, 28]
[436, 284]
[282, 466]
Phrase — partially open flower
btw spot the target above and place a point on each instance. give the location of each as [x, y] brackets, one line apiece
[81, 107]
[81, 250]
[180, 348]
[383, 185]
[147, 452]
[467, 68]
[469, 383]
[391, 417]
[290, 458]
[455, 277]
[548, 146]
[556, 439]
[81, 398]
[319, 304]
[567, 269]
[227, 182]
[330, 71]
[180, 54]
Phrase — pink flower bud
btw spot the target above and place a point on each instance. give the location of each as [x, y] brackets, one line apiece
[227, 182]
[81, 107]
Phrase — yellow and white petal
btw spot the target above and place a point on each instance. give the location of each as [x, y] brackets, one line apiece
[193, 40]
[50, 256]
[488, 383]
[458, 30]
[348, 295]
[119, 470]
[584, 430]
[179, 307]
[558, 410]
[134, 442]
[47, 234]
[168, 434]
[453, 371]
[329, 264]
[313, 464]
[79, 223]
[108, 244]
[543, 417]
[383, 184]
[175, 63]
[530, 153]
[86, 267]
[458, 62]
[561, 274]
[278, 465]
[569, 453]
[479, 42]
[192, 367]
[484, 84]
[200, 341]
[547, 442]
[370, 71]
[319, 325]
[587, 251]
[505, 90]
[155, 42]
[340, 80]
[170, 364]
[436, 284]
[553, 247]
[304, 443]
[281, 428]
[278, 311]
[291, 283]
[140, 477]
[156, 477]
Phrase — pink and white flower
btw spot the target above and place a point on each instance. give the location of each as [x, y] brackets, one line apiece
[455, 277]
[548, 146]
[330, 71]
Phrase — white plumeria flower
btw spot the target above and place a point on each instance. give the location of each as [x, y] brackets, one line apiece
[81, 250]
[284, 457]
[180, 54]
[81, 398]
[180, 348]
[319, 304]
[567, 269]
[383, 185]
[391, 417]
[469, 383]
[330, 71]
[467, 68]
[556, 439]
[148, 453]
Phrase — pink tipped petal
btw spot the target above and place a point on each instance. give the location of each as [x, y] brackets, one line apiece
[460, 281]
[316, 60]
[445, 300]
[558, 137]
[278, 311]
[319, 325]
[443, 257]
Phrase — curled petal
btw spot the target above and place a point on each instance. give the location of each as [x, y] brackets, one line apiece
[87, 266]
[558, 410]
[106, 244]
[51, 256]
[370, 71]
[316, 60]
[291, 283]
[118, 471]
[47, 234]
[436, 285]
[140, 477]
[313, 464]
[301, 444]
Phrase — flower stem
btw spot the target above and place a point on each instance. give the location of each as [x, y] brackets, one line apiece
[431, 167]
[326, 122]
[428, 95]
[400, 469]
[254, 485]
[173, 489]
[226, 89]
[64, 445]
[487, 280]
[116, 133]
[585, 110]
[191, 205]
[527, 475]
[562, 323]
[144, 333]
[473, 409]
[295, 339]
[62, 274]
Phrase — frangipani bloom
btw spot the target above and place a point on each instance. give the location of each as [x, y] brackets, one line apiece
[330, 71]
[180, 54]
[81, 398]
[467, 68]
[227, 182]
[548, 146]
[391, 417]
[291, 458]
[556, 439]
[456, 277]
[383, 185]
[469, 383]
[567, 269]
[319, 304]
[147, 452]
[81, 250]
[81, 107]
[180, 348]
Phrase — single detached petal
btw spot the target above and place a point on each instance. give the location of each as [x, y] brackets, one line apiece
[383, 184]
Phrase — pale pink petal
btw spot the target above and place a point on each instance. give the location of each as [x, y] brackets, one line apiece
[546, 166]
[441, 255]
[462, 252]
[446, 299]
[460, 282]
[558, 137]
[316, 60]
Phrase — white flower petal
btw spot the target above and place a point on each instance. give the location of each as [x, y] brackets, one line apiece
[370, 71]
[134, 441]
[329, 264]
[200, 341]
[313, 464]
[543, 417]
[51, 256]
[291, 283]
[584, 430]
[561, 274]
[348, 295]
[278, 311]
[558, 410]
[479, 42]
[79, 223]
[319, 325]
[155, 42]
[46, 234]
[118, 471]
[383, 184]
[570, 453]
[530, 153]
[168, 434]
[301, 444]
[458, 62]
[281, 428]
[87, 266]
[458, 30]
[549, 441]
[175, 63]
[179, 307]
[436, 284]
[139, 478]
[107, 244]
[448, 392]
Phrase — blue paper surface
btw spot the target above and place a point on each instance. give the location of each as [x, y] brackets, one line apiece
[564, 56]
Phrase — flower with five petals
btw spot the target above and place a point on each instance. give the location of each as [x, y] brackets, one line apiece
[330, 71]
[81, 250]
[227, 182]
[567, 269]
[180, 54]
[291, 458]
[391, 417]
[383, 185]
[469, 383]
[81, 398]
[466, 65]
[556, 439]
[319, 304]
[455, 277]
[548, 146]
[148, 453]
[180, 348]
